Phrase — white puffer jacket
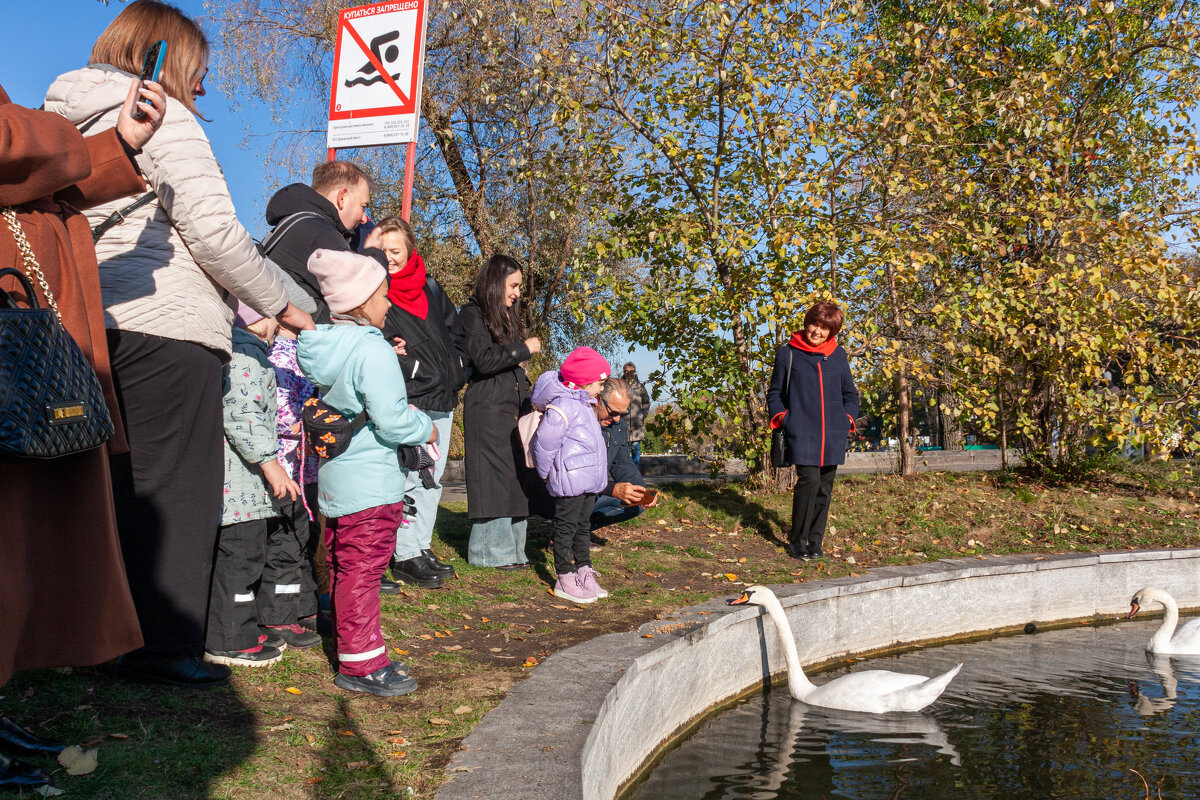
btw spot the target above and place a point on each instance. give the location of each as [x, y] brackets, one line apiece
[176, 266]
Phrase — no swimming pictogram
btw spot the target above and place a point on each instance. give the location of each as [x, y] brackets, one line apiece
[378, 62]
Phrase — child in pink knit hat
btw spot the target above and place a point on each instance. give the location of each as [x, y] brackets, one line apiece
[572, 458]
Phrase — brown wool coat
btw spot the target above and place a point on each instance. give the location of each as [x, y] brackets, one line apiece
[64, 600]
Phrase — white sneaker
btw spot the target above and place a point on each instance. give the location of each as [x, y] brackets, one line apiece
[587, 577]
[571, 587]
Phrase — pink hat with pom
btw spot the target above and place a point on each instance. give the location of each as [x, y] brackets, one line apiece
[347, 279]
[584, 366]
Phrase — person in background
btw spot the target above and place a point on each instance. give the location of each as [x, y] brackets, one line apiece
[818, 414]
[323, 215]
[570, 455]
[167, 271]
[58, 513]
[420, 326]
[356, 371]
[490, 335]
[639, 408]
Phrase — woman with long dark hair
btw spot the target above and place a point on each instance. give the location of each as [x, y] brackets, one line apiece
[817, 410]
[171, 271]
[489, 333]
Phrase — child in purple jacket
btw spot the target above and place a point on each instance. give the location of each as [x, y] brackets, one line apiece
[572, 458]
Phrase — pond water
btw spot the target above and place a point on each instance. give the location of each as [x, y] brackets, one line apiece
[1068, 713]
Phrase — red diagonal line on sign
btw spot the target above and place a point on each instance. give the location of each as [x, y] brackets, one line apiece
[375, 61]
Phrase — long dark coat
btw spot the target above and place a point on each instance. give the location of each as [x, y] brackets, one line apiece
[64, 600]
[821, 404]
[497, 394]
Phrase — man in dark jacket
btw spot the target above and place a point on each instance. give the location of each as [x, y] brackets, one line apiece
[626, 487]
[321, 216]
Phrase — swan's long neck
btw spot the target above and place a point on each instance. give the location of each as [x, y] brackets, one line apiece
[1170, 620]
[798, 683]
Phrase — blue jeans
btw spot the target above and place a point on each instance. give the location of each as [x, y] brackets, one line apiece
[635, 452]
[610, 511]
[497, 542]
[418, 535]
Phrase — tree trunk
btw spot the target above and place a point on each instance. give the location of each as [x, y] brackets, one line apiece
[950, 435]
[1003, 426]
[908, 452]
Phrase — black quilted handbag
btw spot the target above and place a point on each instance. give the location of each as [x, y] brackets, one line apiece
[52, 400]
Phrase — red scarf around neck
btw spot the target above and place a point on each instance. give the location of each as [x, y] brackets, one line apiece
[800, 343]
[406, 288]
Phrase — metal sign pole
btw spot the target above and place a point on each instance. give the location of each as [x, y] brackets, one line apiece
[410, 158]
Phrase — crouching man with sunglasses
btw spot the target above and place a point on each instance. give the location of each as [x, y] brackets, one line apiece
[622, 498]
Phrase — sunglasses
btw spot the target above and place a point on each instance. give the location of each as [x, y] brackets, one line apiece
[613, 414]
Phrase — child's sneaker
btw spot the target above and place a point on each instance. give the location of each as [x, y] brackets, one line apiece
[587, 576]
[294, 636]
[571, 587]
[258, 656]
[384, 682]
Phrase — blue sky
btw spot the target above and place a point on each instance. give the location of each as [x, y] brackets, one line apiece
[35, 49]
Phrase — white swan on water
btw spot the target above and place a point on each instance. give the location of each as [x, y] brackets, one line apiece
[874, 691]
[1181, 641]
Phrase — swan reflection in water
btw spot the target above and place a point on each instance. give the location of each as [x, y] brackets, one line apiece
[1170, 670]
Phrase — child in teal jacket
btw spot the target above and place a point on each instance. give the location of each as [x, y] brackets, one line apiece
[361, 491]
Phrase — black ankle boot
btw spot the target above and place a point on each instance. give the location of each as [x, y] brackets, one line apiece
[16, 741]
[437, 565]
[16, 776]
[418, 571]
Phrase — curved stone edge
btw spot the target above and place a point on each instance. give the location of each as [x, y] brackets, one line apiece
[588, 718]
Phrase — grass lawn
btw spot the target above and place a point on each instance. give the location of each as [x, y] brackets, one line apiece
[287, 732]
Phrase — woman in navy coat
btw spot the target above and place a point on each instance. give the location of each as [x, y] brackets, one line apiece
[817, 412]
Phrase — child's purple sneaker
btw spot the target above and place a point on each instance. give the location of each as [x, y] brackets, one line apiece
[571, 587]
[587, 577]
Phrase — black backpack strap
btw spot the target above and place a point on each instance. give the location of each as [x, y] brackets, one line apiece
[117, 217]
[285, 225]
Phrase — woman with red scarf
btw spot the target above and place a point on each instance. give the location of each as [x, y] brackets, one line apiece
[420, 325]
[817, 411]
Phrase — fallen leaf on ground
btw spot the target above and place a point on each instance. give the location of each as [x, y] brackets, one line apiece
[397, 754]
[484, 619]
[399, 652]
[285, 726]
[452, 647]
[731, 576]
[77, 760]
[560, 608]
[425, 636]
[310, 738]
[463, 710]
[398, 740]
[345, 733]
[530, 662]
[313, 780]
[438, 721]
[357, 764]
[118, 736]
[48, 791]
[647, 635]
[293, 690]
[495, 649]
[437, 635]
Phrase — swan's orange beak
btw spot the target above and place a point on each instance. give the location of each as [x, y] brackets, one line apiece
[740, 600]
[1133, 609]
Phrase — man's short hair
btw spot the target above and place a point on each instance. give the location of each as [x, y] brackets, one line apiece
[629, 367]
[613, 386]
[329, 176]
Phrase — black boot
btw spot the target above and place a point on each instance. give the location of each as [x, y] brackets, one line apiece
[17, 776]
[16, 741]
[188, 671]
[418, 571]
[439, 566]
[388, 586]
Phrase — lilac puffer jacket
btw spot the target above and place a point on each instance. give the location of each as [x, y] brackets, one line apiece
[570, 454]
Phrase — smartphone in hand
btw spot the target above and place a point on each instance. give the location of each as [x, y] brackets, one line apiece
[151, 66]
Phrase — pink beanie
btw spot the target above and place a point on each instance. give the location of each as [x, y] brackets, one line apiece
[347, 279]
[584, 366]
[246, 316]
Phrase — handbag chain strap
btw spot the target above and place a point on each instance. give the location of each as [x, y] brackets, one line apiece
[31, 264]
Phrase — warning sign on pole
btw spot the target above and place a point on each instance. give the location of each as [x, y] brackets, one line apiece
[378, 63]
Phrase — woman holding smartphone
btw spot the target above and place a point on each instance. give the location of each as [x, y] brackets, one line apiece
[171, 272]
